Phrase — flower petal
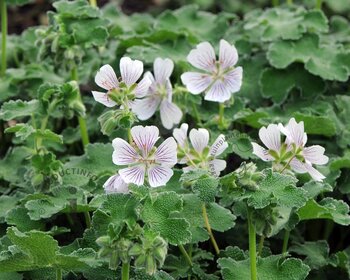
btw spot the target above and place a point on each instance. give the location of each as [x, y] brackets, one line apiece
[163, 69]
[170, 114]
[216, 166]
[123, 153]
[233, 79]
[297, 166]
[314, 173]
[196, 82]
[199, 139]
[134, 174]
[294, 132]
[219, 146]
[180, 134]
[106, 78]
[271, 137]
[143, 87]
[315, 154]
[102, 97]
[218, 92]
[115, 184]
[228, 55]
[146, 107]
[261, 152]
[159, 175]
[203, 57]
[145, 137]
[130, 70]
[166, 153]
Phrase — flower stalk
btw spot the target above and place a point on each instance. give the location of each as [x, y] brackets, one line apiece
[221, 115]
[318, 4]
[207, 225]
[82, 122]
[186, 255]
[125, 271]
[285, 241]
[3, 12]
[93, 3]
[58, 274]
[252, 245]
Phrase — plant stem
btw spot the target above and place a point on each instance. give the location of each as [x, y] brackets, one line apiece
[185, 254]
[252, 245]
[318, 4]
[275, 3]
[290, 2]
[125, 271]
[93, 3]
[221, 122]
[285, 241]
[206, 221]
[87, 219]
[261, 244]
[82, 122]
[3, 11]
[196, 115]
[58, 274]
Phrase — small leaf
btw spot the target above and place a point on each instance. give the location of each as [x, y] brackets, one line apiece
[272, 268]
[160, 213]
[18, 108]
[328, 208]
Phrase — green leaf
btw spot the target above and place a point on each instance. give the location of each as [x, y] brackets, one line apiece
[276, 188]
[272, 268]
[35, 249]
[160, 213]
[328, 208]
[23, 131]
[11, 166]
[286, 24]
[76, 9]
[277, 84]
[96, 161]
[220, 219]
[317, 253]
[117, 209]
[6, 204]
[64, 199]
[18, 216]
[18, 108]
[330, 62]
[206, 189]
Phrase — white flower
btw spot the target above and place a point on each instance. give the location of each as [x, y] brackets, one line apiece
[304, 157]
[131, 71]
[220, 78]
[115, 184]
[201, 156]
[292, 153]
[143, 158]
[271, 137]
[159, 95]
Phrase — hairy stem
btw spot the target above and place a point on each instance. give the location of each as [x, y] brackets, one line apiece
[58, 274]
[185, 254]
[261, 244]
[318, 4]
[275, 3]
[252, 245]
[290, 2]
[82, 122]
[285, 241]
[93, 3]
[221, 121]
[3, 11]
[206, 221]
[125, 271]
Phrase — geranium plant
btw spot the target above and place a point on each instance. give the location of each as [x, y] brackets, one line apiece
[177, 144]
